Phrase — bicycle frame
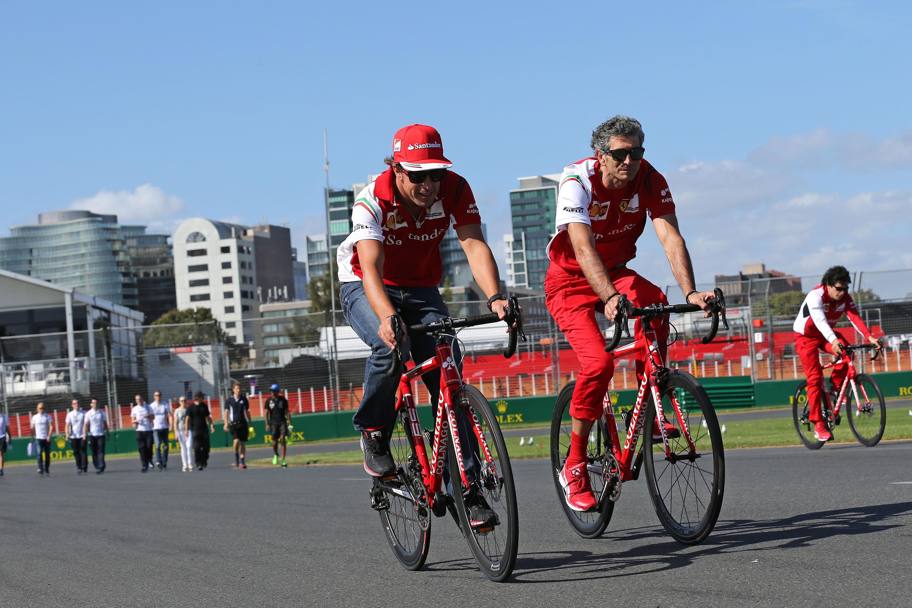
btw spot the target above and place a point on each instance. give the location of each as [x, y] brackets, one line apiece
[627, 457]
[849, 381]
[444, 422]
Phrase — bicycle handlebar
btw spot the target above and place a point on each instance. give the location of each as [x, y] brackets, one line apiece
[627, 311]
[865, 346]
[513, 321]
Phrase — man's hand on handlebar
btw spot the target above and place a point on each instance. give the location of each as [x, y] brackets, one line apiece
[611, 306]
[703, 299]
[387, 332]
[499, 307]
[875, 342]
[838, 348]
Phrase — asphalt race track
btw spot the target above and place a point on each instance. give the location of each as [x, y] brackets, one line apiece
[832, 527]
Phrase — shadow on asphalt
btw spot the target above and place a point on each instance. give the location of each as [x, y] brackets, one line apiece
[733, 536]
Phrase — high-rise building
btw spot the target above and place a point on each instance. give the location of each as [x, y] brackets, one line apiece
[229, 269]
[515, 254]
[339, 207]
[299, 268]
[76, 249]
[455, 264]
[532, 208]
[153, 264]
[317, 256]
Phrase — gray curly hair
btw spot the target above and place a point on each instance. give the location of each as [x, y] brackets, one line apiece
[619, 125]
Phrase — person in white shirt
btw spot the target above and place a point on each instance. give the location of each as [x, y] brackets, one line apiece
[4, 439]
[161, 426]
[182, 432]
[41, 431]
[75, 432]
[96, 427]
[142, 417]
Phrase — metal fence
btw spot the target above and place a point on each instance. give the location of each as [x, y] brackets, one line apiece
[319, 361]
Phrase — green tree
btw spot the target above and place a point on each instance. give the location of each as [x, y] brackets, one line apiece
[447, 292]
[320, 297]
[302, 331]
[865, 296]
[184, 328]
[784, 303]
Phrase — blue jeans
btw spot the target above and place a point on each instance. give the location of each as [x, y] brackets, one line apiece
[381, 371]
[161, 446]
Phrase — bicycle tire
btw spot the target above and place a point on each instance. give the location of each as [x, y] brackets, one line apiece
[800, 413]
[687, 494]
[869, 424]
[407, 530]
[588, 524]
[494, 551]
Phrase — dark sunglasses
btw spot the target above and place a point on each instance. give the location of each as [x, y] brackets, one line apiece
[620, 154]
[418, 177]
[840, 288]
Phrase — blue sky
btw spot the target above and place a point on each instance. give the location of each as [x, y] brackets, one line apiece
[783, 127]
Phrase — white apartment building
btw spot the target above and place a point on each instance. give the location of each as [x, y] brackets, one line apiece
[215, 267]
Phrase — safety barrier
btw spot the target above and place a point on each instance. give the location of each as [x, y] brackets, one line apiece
[724, 393]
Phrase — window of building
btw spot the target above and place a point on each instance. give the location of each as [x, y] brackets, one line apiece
[196, 237]
[245, 308]
[228, 295]
[226, 249]
[199, 297]
[230, 325]
[227, 280]
[226, 265]
[198, 268]
[229, 310]
[199, 283]
[195, 253]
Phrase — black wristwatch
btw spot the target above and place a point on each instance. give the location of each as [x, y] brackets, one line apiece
[494, 298]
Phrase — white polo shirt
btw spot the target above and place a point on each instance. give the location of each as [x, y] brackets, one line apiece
[96, 420]
[142, 416]
[75, 419]
[160, 411]
[4, 426]
[41, 423]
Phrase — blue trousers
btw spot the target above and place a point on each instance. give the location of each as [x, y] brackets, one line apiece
[381, 371]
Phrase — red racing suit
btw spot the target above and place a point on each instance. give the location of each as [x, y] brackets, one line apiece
[814, 332]
[617, 219]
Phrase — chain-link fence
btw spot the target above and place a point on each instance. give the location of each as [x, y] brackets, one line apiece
[319, 361]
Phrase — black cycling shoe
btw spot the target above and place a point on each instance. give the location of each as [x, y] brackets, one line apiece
[481, 517]
[377, 460]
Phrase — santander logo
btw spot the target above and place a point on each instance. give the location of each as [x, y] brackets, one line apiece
[430, 144]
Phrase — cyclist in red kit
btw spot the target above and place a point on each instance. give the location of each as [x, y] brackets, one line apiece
[822, 308]
[602, 206]
[389, 269]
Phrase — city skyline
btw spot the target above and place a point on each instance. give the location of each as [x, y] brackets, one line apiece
[779, 143]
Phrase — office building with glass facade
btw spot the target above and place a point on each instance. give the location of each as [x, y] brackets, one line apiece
[532, 208]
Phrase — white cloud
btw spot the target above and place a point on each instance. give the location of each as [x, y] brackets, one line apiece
[147, 204]
[823, 149]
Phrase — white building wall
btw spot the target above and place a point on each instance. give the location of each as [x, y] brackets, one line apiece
[224, 299]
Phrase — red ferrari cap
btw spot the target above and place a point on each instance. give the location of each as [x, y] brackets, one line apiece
[419, 148]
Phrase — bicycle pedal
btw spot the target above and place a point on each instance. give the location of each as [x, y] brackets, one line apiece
[838, 419]
[441, 502]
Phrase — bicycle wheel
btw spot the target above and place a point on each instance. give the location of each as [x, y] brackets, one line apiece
[406, 520]
[686, 489]
[800, 417]
[868, 415]
[588, 524]
[495, 547]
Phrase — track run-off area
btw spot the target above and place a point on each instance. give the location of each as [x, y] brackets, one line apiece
[797, 528]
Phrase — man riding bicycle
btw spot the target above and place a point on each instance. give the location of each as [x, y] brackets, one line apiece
[822, 308]
[390, 267]
[603, 202]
